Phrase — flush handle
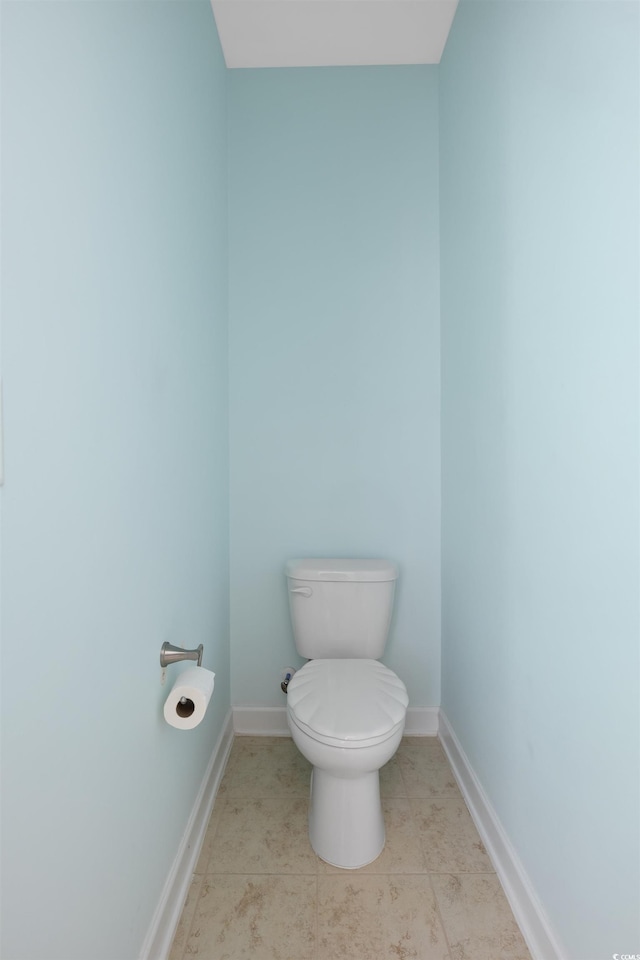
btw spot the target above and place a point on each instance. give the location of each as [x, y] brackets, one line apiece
[303, 591]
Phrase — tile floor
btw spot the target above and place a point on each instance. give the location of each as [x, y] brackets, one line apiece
[259, 890]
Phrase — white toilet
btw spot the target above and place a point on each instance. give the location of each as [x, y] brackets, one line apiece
[345, 710]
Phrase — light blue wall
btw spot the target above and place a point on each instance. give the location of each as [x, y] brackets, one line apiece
[114, 363]
[115, 518]
[539, 208]
[334, 352]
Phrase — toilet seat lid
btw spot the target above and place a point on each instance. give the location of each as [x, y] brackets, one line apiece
[347, 701]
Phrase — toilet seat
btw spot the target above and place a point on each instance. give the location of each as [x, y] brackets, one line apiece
[347, 703]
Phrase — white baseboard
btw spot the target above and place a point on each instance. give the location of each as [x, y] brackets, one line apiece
[260, 722]
[157, 943]
[527, 909]
[272, 722]
[422, 722]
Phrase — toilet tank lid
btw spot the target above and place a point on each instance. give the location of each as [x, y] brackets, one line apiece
[357, 571]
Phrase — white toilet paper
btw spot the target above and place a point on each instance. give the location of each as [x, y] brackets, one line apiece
[187, 703]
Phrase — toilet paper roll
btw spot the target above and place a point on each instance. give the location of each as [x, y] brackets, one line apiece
[187, 703]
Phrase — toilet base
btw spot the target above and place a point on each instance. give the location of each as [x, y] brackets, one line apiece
[346, 825]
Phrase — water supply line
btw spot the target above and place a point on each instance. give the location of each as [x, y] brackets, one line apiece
[287, 674]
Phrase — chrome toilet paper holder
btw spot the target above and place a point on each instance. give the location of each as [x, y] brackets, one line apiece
[170, 654]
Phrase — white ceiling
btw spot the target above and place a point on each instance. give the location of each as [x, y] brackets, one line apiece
[330, 33]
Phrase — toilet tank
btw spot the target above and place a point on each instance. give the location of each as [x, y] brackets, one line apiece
[340, 608]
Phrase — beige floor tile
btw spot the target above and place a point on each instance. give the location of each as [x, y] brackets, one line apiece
[378, 918]
[425, 768]
[267, 767]
[257, 917]
[263, 836]
[402, 850]
[477, 919]
[257, 884]
[188, 911]
[391, 782]
[450, 841]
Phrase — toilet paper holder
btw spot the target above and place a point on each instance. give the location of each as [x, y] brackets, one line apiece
[170, 654]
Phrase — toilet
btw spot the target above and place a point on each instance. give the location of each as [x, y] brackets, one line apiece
[345, 710]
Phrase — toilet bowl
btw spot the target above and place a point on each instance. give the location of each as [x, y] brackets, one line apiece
[345, 709]
[346, 716]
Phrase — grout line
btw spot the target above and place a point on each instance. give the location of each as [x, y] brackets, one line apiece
[440, 917]
[316, 950]
[404, 782]
[199, 878]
